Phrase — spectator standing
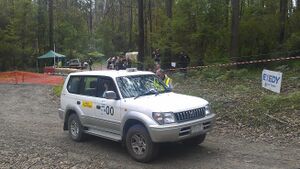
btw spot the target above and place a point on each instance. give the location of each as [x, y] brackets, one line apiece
[184, 61]
[90, 63]
[128, 60]
[109, 62]
[157, 56]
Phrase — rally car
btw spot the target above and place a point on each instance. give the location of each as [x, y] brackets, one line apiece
[132, 107]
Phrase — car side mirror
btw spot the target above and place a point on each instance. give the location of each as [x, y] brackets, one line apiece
[110, 95]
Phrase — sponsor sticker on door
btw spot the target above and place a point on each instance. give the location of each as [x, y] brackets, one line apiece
[87, 104]
[271, 80]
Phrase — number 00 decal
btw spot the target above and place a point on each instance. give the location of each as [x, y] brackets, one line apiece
[112, 111]
[109, 110]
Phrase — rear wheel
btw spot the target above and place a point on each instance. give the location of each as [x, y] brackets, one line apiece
[196, 140]
[139, 144]
[75, 128]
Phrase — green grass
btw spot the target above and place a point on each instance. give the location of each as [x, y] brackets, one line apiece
[57, 90]
[237, 97]
[291, 100]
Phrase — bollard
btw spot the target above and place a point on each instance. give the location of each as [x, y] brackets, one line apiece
[23, 77]
[16, 77]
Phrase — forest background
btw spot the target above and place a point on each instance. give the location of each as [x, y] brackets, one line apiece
[209, 31]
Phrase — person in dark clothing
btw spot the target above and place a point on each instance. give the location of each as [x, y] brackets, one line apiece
[109, 62]
[123, 64]
[118, 63]
[90, 63]
[128, 62]
[184, 61]
[157, 56]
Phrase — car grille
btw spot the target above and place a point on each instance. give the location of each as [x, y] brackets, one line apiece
[190, 115]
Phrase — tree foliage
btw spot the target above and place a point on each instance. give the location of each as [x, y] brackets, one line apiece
[201, 28]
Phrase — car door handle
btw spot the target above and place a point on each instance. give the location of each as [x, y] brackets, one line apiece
[78, 102]
[98, 107]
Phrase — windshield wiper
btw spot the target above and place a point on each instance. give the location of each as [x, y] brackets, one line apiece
[151, 91]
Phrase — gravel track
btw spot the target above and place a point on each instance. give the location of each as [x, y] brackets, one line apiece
[31, 136]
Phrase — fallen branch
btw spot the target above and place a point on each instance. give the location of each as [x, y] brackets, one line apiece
[277, 119]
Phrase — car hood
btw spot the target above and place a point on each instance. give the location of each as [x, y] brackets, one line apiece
[165, 102]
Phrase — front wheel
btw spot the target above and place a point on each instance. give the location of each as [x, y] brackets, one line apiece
[75, 128]
[196, 140]
[139, 144]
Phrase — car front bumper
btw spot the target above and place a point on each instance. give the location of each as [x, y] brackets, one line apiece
[181, 131]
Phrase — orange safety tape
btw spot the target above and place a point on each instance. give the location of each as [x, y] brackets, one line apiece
[16, 77]
[237, 63]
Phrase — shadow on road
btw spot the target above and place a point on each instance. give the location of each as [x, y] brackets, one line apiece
[169, 152]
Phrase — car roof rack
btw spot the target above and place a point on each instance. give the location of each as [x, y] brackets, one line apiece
[131, 70]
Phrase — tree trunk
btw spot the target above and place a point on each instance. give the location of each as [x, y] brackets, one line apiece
[283, 18]
[166, 63]
[150, 24]
[227, 15]
[169, 4]
[91, 17]
[121, 19]
[298, 4]
[41, 26]
[51, 36]
[242, 6]
[234, 47]
[141, 45]
[146, 15]
[24, 35]
[130, 26]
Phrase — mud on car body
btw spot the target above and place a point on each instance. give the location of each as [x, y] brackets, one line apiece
[133, 107]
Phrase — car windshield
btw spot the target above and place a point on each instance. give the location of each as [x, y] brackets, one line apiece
[135, 86]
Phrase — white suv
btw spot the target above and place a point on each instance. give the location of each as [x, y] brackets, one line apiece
[133, 107]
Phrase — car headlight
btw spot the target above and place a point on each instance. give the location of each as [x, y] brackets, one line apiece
[208, 110]
[163, 118]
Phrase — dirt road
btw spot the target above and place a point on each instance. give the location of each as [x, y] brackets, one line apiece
[31, 136]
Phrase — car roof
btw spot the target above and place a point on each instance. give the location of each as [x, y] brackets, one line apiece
[111, 73]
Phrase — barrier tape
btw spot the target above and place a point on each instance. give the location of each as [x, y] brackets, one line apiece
[19, 77]
[237, 63]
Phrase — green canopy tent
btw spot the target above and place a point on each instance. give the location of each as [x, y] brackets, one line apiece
[53, 56]
[50, 59]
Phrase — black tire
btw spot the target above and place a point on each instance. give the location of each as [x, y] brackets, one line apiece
[144, 150]
[75, 128]
[195, 141]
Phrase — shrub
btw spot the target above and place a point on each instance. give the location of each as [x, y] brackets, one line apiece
[57, 90]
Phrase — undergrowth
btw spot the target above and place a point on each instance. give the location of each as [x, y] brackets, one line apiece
[237, 96]
[57, 90]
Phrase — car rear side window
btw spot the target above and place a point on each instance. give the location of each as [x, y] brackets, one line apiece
[89, 86]
[73, 84]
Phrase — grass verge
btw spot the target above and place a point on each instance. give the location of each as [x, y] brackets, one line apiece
[238, 98]
[57, 90]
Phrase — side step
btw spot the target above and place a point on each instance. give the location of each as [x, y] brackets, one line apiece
[104, 134]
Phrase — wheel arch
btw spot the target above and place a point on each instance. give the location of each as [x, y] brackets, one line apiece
[133, 118]
[129, 123]
[68, 113]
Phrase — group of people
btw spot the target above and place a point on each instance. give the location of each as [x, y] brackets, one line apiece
[184, 59]
[183, 63]
[121, 63]
[118, 63]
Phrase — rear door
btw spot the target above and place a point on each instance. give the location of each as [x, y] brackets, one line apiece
[87, 98]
